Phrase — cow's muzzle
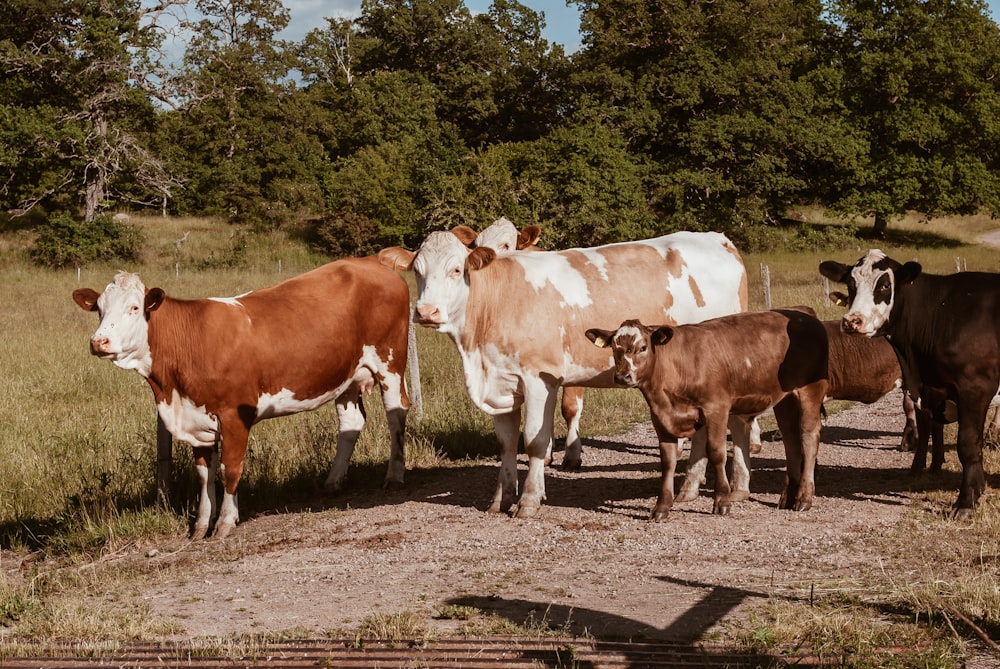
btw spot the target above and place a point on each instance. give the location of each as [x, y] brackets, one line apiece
[101, 347]
[852, 323]
[428, 316]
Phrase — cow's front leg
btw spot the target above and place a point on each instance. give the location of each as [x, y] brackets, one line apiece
[572, 407]
[717, 458]
[206, 463]
[668, 467]
[351, 420]
[539, 408]
[235, 433]
[694, 475]
[742, 433]
[507, 429]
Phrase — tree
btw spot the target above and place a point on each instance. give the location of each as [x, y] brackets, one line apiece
[733, 101]
[71, 73]
[921, 85]
[241, 131]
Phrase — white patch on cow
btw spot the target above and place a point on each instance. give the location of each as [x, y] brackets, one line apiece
[867, 315]
[285, 403]
[748, 362]
[231, 301]
[555, 269]
[493, 379]
[189, 422]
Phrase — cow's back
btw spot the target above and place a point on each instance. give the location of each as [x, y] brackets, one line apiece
[306, 334]
[538, 305]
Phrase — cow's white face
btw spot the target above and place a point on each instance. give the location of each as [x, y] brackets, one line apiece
[632, 348]
[122, 335]
[501, 236]
[442, 286]
[872, 285]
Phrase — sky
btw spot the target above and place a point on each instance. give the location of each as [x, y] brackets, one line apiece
[562, 23]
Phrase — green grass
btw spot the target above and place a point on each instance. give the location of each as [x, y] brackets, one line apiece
[77, 448]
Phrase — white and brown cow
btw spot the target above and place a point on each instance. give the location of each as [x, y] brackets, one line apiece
[944, 332]
[518, 321]
[503, 237]
[739, 365]
[218, 366]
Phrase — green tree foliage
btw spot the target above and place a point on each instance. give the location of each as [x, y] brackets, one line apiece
[64, 241]
[920, 83]
[71, 91]
[734, 102]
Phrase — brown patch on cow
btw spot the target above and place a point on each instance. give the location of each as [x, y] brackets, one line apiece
[675, 263]
[699, 299]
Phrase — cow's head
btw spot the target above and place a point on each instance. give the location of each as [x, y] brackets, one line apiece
[872, 287]
[632, 345]
[503, 237]
[442, 266]
[123, 307]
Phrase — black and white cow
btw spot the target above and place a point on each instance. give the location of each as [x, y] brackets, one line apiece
[944, 330]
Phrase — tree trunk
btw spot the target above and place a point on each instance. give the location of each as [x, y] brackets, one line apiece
[95, 175]
[881, 224]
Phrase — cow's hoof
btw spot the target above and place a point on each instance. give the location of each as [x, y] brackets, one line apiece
[962, 514]
[524, 512]
[572, 464]
[333, 487]
[222, 530]
[657, 515]
[803, 505]
[393, 485]
[686, 495]
[755, 448]
[739, 496]
[199, 532]
[720, 509]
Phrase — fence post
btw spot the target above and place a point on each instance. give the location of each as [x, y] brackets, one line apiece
[765, 277]
[416, 394]
[164, 461]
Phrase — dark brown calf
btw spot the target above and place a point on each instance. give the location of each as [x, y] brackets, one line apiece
[743, 364]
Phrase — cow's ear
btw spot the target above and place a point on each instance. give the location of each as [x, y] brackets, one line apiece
[908, 272]
[601, 338]
[479, 258]
[154, 298]
[397, 258]
[834, 271]
[465, 234]
[86, 298]
[840, 299]
[528, 237]
[661, 335]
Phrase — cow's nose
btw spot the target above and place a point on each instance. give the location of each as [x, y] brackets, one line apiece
[851, 323]
[428, 313]
[99, 345]
[623, 379]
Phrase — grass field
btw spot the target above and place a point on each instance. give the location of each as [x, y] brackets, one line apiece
[77, 445]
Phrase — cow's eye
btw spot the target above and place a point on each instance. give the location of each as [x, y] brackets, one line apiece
[134, 309]
[456, 272]
[643, 348]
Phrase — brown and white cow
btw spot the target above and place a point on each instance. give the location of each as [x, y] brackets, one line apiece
[518, 321]
[218, 366]
[944, 332]
[739, 365]
[503, 237]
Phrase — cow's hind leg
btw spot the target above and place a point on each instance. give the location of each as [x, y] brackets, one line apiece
[788, 415]
[507, 429]
[972, 410]
[717, 458]
[572, 407]
[351, 420]
[206, 463]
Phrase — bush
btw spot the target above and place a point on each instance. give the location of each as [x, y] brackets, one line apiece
[64, 241]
